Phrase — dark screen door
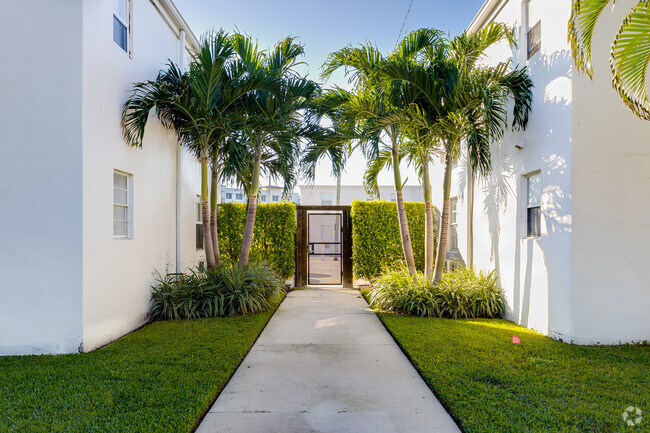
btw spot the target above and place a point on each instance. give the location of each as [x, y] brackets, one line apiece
[324, 249]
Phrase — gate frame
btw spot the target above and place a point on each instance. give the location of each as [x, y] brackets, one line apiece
[302, 237]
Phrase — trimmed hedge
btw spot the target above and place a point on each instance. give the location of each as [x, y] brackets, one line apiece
[376, 243]
[273, 239]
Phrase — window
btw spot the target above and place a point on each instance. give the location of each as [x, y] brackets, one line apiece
[533, 32]
[228, 196]
[276, 198]
[453, 224]
[121, 24]
[121, 205]
[263, 197]
[534, 206]
[239, 196]
[199, 224]
[534, 39]
[325, 198]
[393, 196]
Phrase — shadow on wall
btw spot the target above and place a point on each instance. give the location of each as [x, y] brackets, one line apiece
[546, 146]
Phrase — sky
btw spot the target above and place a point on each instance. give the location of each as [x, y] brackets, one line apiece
[323, 27]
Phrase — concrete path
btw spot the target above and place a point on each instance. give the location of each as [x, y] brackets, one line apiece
[325, 363]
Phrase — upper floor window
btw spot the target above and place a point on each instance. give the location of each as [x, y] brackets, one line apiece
[276, 198]
[239, 196]
[325, 198]
[393, 196]
[263, 197]
[121, 24]
[199, 223]
[228, 196]
[122, 205]
[533, 28]
[453, 224]
[534, 206]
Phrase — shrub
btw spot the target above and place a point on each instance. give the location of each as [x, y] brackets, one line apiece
[376, 241]
[227, 290]
[462, 293]
[399, 292]
[273, 237]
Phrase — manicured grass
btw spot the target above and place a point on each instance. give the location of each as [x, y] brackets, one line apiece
[161, 378]
[489, 384]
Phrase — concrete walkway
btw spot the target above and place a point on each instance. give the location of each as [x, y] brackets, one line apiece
[325, 363]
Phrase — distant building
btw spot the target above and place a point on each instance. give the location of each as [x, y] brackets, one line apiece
[275, 194]
[326, 194]
[233, 195]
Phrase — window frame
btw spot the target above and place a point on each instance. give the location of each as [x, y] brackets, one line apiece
[536, 29]
[328, 201]
[453, 224]
[126, 22]
[198, 223]
[228, 196]
[239, 196]
[276, 198]
[128, 206]
[530, 232]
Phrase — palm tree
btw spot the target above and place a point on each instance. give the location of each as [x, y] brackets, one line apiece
[460, 100]
[629, 55]
[273, 127]
[372, 102]
[199, 106]
[333, 141]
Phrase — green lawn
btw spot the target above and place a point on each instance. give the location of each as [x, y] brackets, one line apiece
[489, 384]
[161, 378]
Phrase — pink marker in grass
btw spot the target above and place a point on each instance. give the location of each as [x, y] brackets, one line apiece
[515, 339]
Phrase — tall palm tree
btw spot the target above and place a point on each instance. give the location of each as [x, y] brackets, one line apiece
[629, 55]
[273, 121]
[374, 100]
[198, 105]
[461, 100]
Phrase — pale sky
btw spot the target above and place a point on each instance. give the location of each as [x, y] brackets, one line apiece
[323, 27]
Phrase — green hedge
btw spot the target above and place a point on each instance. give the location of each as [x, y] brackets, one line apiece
[273, 239]
[376, 242]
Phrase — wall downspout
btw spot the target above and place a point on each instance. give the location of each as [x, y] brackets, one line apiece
[181, 64]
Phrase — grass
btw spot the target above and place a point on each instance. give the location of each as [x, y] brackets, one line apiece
[161, 378]
[489, 384]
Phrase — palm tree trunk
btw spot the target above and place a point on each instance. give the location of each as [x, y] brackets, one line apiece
[213, 216]
[205, 216]
[444, 222]
[338, 189]
[470, 216]
[247, 242]
[405, 235]
[429, 237]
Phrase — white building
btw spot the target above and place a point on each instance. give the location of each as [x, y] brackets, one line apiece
[86, 218]
[326, 194]
[563, 218]
[231, 194]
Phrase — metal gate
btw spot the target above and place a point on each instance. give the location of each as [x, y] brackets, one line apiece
[324, 249]
[323, 246]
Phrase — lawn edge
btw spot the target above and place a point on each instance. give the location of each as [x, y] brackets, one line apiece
[203, 414]
[458, 422]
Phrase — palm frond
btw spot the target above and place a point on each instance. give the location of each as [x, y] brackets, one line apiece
[629, 60]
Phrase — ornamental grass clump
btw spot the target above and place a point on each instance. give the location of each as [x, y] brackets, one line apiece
[465, 293]
[227, 290]
[461, 294]
[399, 292]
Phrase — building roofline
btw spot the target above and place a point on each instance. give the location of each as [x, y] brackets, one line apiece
[484, 14]
[178, 22]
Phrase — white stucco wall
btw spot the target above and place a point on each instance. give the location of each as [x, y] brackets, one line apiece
[534, 273]
[40, 170]
[118, 273]
[611, 179]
